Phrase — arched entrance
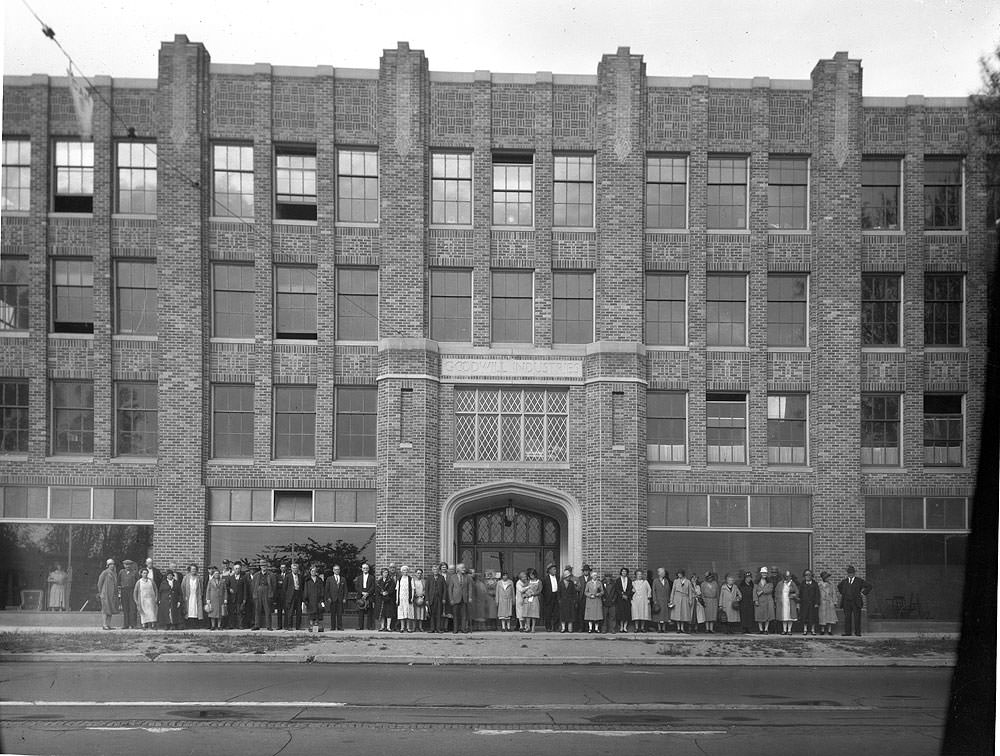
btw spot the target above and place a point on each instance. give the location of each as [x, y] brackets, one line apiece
[546, 526]
[508, 540]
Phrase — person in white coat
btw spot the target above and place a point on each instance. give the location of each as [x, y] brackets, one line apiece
[642, 593]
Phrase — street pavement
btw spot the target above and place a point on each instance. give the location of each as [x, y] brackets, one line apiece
[270, 708]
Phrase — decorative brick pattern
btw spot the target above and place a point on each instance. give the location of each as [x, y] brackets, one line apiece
[789, 118]
[232, 106]
[883, 371]
[573, 111]
[884, 129]
[513, 107]
[728, 116]
[669, 117]
[355, 105]
[295, 108]
[451, 113]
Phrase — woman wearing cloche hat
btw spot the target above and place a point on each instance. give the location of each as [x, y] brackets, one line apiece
[763, 601]
[827, 604]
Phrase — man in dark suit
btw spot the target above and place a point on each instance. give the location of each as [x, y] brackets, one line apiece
[581, 590]
[460, 597]
[264, 586]
[364, 586]
[279, 594]
[852, 590]
[550, 598]
[436, 590]
[239, 585]
[294, 585]
[336, 595]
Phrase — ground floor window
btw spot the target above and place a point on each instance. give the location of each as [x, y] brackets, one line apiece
[72, 554]
[916, 575]
[727, 551]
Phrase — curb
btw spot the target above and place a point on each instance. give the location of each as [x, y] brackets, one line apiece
[215, 657]
[55, 656]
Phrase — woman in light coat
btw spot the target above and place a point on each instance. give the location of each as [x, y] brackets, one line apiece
[191, 594]
[729, 604]
[699, 604]
[215, 598]
[660, 613]
[786, 602]
[419, 599]
[144, 594]
[532, 595]
[404, 600]
[593, 611]
[763, 601]
[710, 598]
[57, 589]
[505, 600]
[681, 602]
[520, 604]
[641, 595]
[827, 604]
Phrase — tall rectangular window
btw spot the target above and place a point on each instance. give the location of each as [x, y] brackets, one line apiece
[72, 417]
[727, 309]
[232, 301]
[726, 428]
[137, 178]
[943, 193]
[357, 186]
[787, 316]
[232, 169]
[511, 306]
[787, 192]
[451, 188]
[787, 442]
[726, 206]
[294, 302]
[74, 180]
[512, 189]
[881, 301]
[16, 183]
[666, 191]
[135, 297]
[294, 422]
[232, 421]
[13, 293]
[451, 305]
[356, 422]
[357, 304]
[944, 430]
[72, 296]
[666, 426]
[666, 309]
[136, 419]
[880, 180]
[572, 308]
[880, 429]
[573, 191]
[992, 190]
[295, 183]
[943, 309]
[13, 416]
[511, 425]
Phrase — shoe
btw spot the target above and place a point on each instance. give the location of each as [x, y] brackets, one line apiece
[857, 635]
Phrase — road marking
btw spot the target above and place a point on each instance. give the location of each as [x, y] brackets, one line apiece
[443, 706]
[154, 730]
[602, 733]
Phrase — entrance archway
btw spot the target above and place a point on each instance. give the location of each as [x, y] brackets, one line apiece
[508, 540]
[530, 499]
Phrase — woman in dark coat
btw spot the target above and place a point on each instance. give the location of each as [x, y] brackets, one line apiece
[385, 600]
[621, 595]
[169, 614]
[747, 621]
[809, 603]
[568, 596]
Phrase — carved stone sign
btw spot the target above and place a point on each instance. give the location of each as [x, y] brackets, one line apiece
[468, 368]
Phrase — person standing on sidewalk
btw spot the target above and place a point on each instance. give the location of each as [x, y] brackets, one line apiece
[436, 590]
[312, 596]
[550, 598]
[460, 597]
[295, 583]
[107, 590]
[747, 609]
[568, 599]
[239, 585]
[621, 595]
[404, 600]
[827, 604]
[505, 601]
[145, 600]
[642, 596]
[191, 594]
[169, 615]
[57, 589]
[581, 591]
[336, 596]
[279, 595]
[682, 601]
[661, 599]
[127, 578]
[763, 602]
[809, 603]
[729, 605]
[593, 612]
[263, 588]
[852, 591]
[215, 598]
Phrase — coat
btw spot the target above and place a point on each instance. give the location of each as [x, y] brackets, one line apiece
[364, 586]
[239, 593]
[107, 590]
[763, 601]
[621, 597]
[189, 587]
[682, 598]
[289, 595]
[335, 591]
[263, 586]
[505, 598]
[170, 603]
[459, 589]
[437, 589]
[145, 597]
[312, 595]
[661, 597]
[385, 598]
[641, 593]
[827, 603]
[747, 609]
[594, 594]
[853, 593]
[782, 611]
[710, 595]
[729, 595]
[215, 596]
[531, 599]
[567, 600]
[809, 602]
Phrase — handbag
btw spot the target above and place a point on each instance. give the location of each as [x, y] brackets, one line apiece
[654, 607]
[208, 606]
[723, 617]
[363, 604]
[419, 601]
[736, 605]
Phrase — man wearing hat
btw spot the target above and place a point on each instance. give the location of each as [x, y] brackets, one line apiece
[127, 578]
[581, 591]
[107, 590]
[263, 586]
[852, 591]
[550, 598]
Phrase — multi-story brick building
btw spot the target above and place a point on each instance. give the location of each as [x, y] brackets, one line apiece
[505, 318]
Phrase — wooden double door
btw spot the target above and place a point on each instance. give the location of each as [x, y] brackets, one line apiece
[491, 543]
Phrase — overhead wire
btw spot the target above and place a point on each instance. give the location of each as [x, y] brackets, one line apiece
[130, 131]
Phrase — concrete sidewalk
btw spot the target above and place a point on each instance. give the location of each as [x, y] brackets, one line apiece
[483, 648]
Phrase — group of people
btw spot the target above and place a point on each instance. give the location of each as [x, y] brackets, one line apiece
[451, 597]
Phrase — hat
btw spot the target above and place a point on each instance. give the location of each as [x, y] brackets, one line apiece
[850, 569]
[586, 568]
[549, 566]
[226, 561]
[111, 561]
[763, 570]
[824, 575]
[128, 561]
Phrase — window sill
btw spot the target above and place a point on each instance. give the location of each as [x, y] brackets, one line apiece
[678, 466]
[17, 213]
[946, 232]
[481, 465]
[228, 340]
[86, 458]
[133, 337]
[789, 232]
[55, 215]
[668, 348]
[241, 461]
[729, 231]
[356, 342]
[948, 469]
[450, 227]
[946, 349]
[13, 457]
[355, 224]
[360, 462]
[290, 222]
[894, 470]
[799, 349]
[15, 334]
[287, 340]
[294, 462]
[61, 335]
[133, 216]
[883, 350]
[882, 232]
[230, 219]
[512, 228]
[133, 460]
[668, 230]
[727, 348]
[742, 467]
[791, 468]
[574, 229]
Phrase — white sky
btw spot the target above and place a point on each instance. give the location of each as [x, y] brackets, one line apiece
[928, 47]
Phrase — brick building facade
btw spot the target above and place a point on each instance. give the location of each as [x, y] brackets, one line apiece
[620, 319]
